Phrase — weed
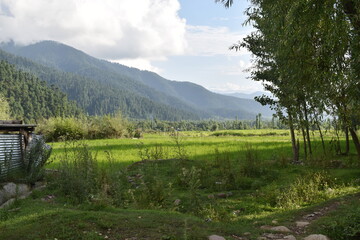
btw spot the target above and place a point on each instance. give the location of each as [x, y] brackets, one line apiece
[226, 171]
[190, 180]
[157, 152]
[307, 189]
[252, 165]
[78, 175]
[179, 149]
[149, 191]
[36, 157]
[345, 225]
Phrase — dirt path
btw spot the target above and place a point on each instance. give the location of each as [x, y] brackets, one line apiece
[298, 228]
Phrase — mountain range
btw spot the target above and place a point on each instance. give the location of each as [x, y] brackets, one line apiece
[248, 95]
[101, 87]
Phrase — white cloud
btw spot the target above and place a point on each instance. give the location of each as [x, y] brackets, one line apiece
[209, 41]
[109, 29]
[140, 63]
[243, 87]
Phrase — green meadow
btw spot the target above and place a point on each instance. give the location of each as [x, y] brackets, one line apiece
[198, 145]
[188, 185]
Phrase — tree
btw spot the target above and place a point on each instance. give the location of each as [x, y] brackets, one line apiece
[4, 108]
[307, 54]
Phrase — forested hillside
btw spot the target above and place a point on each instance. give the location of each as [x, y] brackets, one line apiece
[182, 95]
[98, 98]
[29, 98]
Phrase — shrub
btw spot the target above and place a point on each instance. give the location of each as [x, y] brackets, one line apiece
[343, 226]
[78, 177]
[58, 128]
[148, 190]
[36, 157]
[307, 189]
[107, 126]
[157, 152]
[252, 165]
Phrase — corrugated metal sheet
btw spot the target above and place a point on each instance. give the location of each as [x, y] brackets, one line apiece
[10, 154]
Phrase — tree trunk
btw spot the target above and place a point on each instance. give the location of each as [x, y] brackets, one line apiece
[307, 128]
[347, 147]
[305, 144]
[355, 140]
[295, 146]
[321, 136]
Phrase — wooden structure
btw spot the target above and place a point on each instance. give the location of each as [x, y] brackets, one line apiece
[14, 138]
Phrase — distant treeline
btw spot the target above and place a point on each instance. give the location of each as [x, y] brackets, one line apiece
[207, 125]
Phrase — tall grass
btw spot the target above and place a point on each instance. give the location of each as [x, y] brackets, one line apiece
[97, 127]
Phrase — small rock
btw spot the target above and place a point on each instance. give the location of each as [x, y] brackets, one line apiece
[247, 234]
[280, 229]
[2, 197]
[211, 196]
[290, 237]
[216, 237]
[236, 212]
[221, 195]
[265, 227]
[177, 202]
[10, 190]
[274, 221]
[8, 203]
[48, 198]
[39, 185]
[22, 190]
[302, 224]
[316, 237]
[310, 215]
[273, 236]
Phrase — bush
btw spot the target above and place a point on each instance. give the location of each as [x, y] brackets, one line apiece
[107, 127]
[307, 189]
[58, 128]
[78, 176]
[343, 226]
[64, 129]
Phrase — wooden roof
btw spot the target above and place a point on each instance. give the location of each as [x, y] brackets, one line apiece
[16, 125]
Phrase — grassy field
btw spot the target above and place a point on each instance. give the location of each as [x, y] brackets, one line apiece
[185, 186]
[269, 144]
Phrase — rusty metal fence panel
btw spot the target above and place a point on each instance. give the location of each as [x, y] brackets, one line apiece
[10, 154]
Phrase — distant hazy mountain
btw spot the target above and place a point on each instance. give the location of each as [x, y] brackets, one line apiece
[190, 99]
[248, 95]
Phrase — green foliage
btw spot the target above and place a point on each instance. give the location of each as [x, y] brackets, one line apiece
[29, 98]
[252, 166]
[58, 128]
[4, 108]
[35, 159]
[179, 150]
[107, 126]
[71, 128]
[308, 189]
[190, 180]
[157, 152]
[150, 191]
[99, 91]
[343, 224]
[78, 176]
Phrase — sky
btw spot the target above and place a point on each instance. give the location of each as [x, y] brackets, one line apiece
[182, 40]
